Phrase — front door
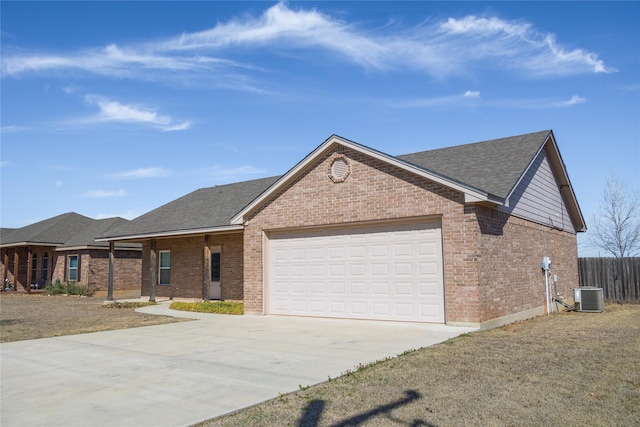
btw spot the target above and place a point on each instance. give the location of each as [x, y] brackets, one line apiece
[215, 291]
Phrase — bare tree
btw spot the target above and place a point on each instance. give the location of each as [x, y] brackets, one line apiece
[616, 228]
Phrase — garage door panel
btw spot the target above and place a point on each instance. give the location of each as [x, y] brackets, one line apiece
[381, 309]
[316, 288]
[403, 269]
[386, 272]
[357, 288]
[430, 289]
[379, 269]
[337, 308]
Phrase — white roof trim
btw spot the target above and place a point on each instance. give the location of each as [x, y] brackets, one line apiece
[227, 228]
[102, 248]
[470, 194]
[26, 243]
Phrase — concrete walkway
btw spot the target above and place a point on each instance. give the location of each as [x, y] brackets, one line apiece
[182, 373]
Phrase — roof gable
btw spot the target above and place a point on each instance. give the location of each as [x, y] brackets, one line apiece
[471, 194]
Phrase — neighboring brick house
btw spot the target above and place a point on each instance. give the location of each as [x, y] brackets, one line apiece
[453, 235]
[64, 247]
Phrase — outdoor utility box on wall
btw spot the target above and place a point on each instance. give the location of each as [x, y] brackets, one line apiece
[589, 298]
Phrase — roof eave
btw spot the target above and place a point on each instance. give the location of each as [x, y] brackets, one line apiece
[174, 233]
[14, 244]
[95, 247]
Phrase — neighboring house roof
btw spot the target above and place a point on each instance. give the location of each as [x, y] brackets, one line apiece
[50, 232]
[206, 209]
[85, 238]
[4, 233]
[493, 166]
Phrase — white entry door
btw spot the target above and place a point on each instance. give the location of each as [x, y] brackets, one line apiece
[383, 272]
[215, 289]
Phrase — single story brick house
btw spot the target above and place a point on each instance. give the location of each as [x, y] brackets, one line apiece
[64, 247]
[453, 235]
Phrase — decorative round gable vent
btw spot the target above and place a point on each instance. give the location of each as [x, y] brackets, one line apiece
[340, 169]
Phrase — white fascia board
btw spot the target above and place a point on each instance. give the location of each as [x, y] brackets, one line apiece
[100, 248]
[474, 195]
[10, 245]
[224, 229]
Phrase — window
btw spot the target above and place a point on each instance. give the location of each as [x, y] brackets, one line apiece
[165, 268]
[72, 274]
[45, 267]
[215, 266]
[34, 268]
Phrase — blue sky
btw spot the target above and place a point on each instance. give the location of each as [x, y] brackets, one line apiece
[115, 108]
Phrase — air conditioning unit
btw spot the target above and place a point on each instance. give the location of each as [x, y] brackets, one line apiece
[589, 298]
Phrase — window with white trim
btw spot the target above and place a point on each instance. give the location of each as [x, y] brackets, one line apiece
[72, 270]
[164, 268]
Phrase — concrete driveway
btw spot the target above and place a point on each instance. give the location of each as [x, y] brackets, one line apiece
[183, 373]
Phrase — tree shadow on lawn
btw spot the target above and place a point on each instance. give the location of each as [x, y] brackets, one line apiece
[313, 413]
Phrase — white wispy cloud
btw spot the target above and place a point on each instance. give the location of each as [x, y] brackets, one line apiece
[152, 172]
[13, 129]
[467, 98]
[114, 111]
[473, 99]
[575, 99]
[448, 47]
[103, 194]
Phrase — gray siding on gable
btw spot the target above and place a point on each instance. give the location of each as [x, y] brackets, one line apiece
[537, 197]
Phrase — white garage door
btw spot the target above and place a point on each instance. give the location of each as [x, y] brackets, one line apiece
[383, 272]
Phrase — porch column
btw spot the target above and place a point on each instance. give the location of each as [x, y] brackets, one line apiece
[29, 261]
[153, 255]
[111, 261]
[16, 261]
[5, 266]
[206, 269]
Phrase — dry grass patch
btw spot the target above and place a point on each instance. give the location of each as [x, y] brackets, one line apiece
[25, 317]
[570, 369]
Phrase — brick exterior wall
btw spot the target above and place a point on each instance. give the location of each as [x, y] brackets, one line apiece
[127, 272]
[478, 250]
[511, 279]
[93, 270]
[187, 266]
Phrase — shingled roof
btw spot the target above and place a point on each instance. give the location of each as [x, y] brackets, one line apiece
[50, 232]
[85, 238]
[487, 170]
[493, 166]
[203, 209]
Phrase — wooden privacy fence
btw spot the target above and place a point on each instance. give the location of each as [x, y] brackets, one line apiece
[619, 278]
